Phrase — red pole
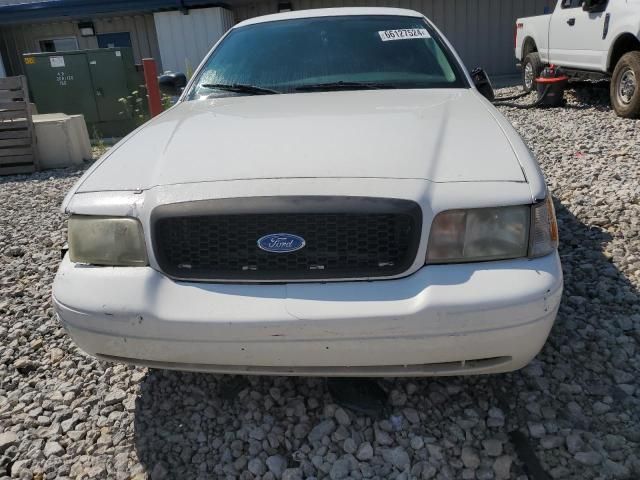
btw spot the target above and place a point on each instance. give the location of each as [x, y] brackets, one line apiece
[153, 91]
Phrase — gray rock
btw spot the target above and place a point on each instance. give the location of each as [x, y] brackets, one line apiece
[484, 473]
[588, 458]
[493, 447]
[256, 466]
[276, 465]
[340, 469]
[615, 469]
[398, 457]
[397, 398]
[68, 424]
[349, 445]
[53, 449]
[551, 441]
[417, 443]
[470, 458]
[383, 438]
[429, 471]
[502, 467]
[411, 415]
[115, 396]
[574, 443]
[559, 472]
[323, 429]
[257, 434]
[159, 472]
[20, 469]
[300, 430]
[292, 474]
[364, 452]
[537, 430]
[7, 439]
[25, 365]
[435, 451]
[342, 417]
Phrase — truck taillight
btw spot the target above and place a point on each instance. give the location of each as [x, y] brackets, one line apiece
[517, 27]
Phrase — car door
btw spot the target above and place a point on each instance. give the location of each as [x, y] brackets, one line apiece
[575, 36]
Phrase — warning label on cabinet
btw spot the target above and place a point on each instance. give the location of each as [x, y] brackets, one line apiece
[56, 62]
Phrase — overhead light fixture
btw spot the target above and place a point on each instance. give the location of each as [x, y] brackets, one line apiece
[86, 29]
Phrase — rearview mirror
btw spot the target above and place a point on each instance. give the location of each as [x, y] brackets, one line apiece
[172, 83]
[483, 84]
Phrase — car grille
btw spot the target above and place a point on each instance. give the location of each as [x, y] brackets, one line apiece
[345, 238]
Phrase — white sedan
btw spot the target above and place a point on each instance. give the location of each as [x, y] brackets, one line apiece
[331, 195]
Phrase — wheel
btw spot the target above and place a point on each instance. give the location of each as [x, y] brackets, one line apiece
[531, 69]
[625, 86]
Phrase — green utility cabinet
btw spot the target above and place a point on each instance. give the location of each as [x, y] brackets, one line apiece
[89, 82]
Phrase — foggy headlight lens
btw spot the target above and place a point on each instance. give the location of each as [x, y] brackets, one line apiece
[479, 234]
[115, 241]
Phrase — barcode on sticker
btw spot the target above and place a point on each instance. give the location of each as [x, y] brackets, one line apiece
[403, 34]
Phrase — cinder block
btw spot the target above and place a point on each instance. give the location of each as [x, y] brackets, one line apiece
[62, 140]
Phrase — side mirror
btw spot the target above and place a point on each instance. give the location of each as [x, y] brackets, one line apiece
[172, 84]
[593, 6]
[483, 84]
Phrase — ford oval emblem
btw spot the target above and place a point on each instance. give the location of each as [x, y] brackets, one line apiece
[281, 243]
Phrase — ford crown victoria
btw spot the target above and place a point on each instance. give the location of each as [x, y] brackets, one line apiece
[331, 195]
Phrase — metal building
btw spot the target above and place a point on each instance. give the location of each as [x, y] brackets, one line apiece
[177, 32]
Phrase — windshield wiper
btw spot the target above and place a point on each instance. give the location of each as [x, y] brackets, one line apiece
[240, 88]
[342, 86]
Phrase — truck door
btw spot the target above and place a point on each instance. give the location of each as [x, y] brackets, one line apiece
[575, 36]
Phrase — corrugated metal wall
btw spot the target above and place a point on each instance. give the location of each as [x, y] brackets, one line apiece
[19, 39]
[480, 30]
[184, 40]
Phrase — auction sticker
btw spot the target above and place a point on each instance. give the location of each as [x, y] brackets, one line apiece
[403, 34]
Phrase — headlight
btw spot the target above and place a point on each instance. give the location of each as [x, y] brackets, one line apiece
[500, 233]
[115, 241]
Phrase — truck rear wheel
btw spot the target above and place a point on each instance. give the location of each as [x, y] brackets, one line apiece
[531, 69]
[625, 86]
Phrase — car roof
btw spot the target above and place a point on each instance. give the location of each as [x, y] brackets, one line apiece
[330, 12]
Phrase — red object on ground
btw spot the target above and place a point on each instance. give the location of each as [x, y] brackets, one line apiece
[552, 74]
[564, 78]
[151, 81]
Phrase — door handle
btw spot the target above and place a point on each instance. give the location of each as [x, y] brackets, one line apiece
[571, 21]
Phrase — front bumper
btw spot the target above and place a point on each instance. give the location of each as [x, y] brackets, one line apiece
[442, 320]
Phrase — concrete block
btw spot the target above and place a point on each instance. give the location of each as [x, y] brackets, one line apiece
[62, 140]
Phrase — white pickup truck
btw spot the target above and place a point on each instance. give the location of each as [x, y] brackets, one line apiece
[593, 39]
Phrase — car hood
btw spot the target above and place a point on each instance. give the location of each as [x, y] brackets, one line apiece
[440, 135]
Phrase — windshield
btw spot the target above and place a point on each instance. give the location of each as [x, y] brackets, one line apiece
[347, 52]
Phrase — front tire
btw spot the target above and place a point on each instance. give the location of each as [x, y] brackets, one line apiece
[625, 86]
[531, 69]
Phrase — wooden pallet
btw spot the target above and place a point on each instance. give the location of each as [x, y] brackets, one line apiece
[17, 137]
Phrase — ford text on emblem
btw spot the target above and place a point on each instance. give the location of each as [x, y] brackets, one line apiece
[281, 243]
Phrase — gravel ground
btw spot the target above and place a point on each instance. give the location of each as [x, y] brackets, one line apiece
[573, 413]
